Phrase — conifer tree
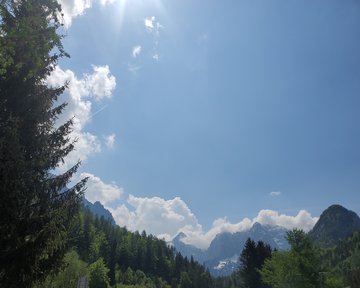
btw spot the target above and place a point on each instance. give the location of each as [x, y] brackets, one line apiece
[36, 207]
[252, 259]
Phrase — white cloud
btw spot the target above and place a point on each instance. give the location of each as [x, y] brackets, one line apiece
[202, 239]
[275, 193]
[155, 215]
[97, 190]
[110, 140]
[100, 83]
[166, 218]
[106, 2]
[149, 22]
[302, 220]
[79, 96]
[75, 8]
[154, 27]
[136, 51]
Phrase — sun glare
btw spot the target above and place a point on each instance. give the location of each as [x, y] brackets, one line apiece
[135, 8]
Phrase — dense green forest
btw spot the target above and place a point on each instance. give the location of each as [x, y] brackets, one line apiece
[344, 259]
[111, 255]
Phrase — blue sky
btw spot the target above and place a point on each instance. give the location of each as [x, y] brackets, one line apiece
[196, 111]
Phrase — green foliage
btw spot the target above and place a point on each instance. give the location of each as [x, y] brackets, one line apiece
[73, 269]
[185, 281]
[332, 281]
[344, 259]
[36, 211]
[98, 274]
[232, 281]
[281, 271]
[297, 268]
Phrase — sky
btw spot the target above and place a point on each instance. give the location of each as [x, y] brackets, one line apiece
[207, 116]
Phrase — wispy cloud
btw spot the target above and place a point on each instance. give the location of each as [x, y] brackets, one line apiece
[154, 27]
[149, 22]
[275, 193]
[110, 140]
[133, 68]
[136, 51]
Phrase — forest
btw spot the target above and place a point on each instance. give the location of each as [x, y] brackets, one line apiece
[112, 256]
[48, 240]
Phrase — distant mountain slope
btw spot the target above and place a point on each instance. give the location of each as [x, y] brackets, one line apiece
[222, 255]
[188, 250]
[335, 223]
[98, 210]
[226, 245]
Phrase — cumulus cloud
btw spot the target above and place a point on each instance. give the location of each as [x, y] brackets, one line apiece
[136, 51]
[202, 239]
[156, 57]
[155, 215]
[275, 193]
[75, 8]
[97, 190]
[302, 220]
[166, 218]
[100, 83]
[79, 96]
[110, 140]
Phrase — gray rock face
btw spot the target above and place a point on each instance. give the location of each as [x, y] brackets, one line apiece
[222, 255]
[98, 210]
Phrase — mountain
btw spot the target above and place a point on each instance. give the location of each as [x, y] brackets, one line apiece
[335, 223]
[98, 210]
[222, 255]
[186, 249]
[227, 244]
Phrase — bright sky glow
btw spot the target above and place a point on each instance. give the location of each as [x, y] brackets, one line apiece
[210, 115]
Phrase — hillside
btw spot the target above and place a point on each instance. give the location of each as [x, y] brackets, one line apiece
[125, 258]
[335, 223]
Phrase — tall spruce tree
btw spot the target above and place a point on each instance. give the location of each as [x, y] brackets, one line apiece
[252, 259]
[36, 208]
